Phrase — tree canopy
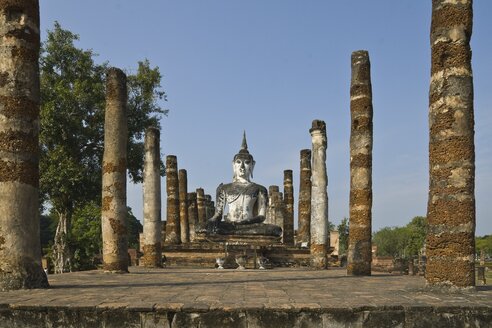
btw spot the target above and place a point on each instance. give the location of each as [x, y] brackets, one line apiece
[402, 242]
[72, 124]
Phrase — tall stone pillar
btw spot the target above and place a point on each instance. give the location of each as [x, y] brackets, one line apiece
[451, 205]
[359, 245]
[114, 211]
[319, 196]
[202, 211]
[173, 234]
[20, 250]
[209, 207]
[289, 208]
[152, 234]
[183, 206]
[270, 214]
[192, 215]
[304, 208]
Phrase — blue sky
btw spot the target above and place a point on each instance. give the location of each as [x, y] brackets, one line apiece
[270, 68]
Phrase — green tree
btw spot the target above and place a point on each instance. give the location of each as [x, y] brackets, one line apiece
[417, 230]
[134, 230]
[392, 241]
[85, 238]
[343, 233]
[47, 231]
[404, 241]
[72, 128]
[484, 243]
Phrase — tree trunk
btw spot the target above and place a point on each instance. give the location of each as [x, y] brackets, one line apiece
[62, 258]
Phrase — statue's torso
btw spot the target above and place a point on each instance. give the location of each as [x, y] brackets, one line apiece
[242, 200]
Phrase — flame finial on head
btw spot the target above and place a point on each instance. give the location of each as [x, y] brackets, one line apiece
[243, 152]
[244, 145]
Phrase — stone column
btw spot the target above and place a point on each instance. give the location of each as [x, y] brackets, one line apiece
[279, 211]
[114, 211]
[173, 234]
[201, 210]
[270, 214]
[289, 208]
[359, 245]
[319, 196]
[183, 206]
[152, 200]
[451, 205]
[304, 208]
[192, 215]
[20, 250]
[209, 207]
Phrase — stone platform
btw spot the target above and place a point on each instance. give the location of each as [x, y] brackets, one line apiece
[203, 254]
[185, 297]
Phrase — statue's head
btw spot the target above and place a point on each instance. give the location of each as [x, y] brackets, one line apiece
[243, 163]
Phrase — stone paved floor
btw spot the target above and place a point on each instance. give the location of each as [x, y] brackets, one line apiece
[207, 289]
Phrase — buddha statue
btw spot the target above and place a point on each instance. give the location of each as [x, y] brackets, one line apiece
[246, 202]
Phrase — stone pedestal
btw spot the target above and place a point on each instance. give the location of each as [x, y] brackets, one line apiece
[20, 250]
[114, 211]
[359, 244]
[152, 200]
[319, 196]
[173, 234]
[451, 206]
[304, 208]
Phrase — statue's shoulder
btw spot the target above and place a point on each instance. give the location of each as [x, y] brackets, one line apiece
[260, 188]
[224, 187]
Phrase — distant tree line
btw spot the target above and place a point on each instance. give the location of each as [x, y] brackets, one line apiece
[404, 242]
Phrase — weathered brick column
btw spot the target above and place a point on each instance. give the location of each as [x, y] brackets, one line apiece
[201, 210]
[183, 206]
[319, 196]
[20, 249]
[277, 208]
[304, 208]
[192, 215]
[289, 208]
[114, 211]
[451, 205]
[359, 245]
[209, 207]
[270, 213]
[152, 200]
[173, 234]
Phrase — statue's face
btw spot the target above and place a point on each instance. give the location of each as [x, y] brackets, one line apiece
[243, 168]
